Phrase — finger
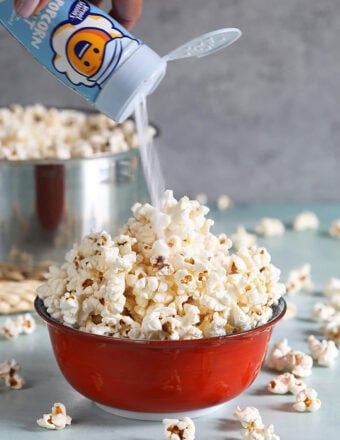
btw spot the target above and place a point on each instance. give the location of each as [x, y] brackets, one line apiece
[25, 8]
[41, 5]
[127, 12]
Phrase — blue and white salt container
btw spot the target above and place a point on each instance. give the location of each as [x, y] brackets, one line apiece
[90, 52]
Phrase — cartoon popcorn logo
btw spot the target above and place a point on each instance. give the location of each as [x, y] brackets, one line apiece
[88, 51]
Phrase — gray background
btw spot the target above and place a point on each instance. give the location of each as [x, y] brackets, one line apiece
[258, 121]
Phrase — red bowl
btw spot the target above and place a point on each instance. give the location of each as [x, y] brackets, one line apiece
[159, 376]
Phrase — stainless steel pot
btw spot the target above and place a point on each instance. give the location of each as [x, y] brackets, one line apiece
[46, 206]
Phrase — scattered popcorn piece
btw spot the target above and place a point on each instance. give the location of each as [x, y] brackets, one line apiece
[223, 202]
[202, 198]
[241, 238]
[307, 400]
[332, 291]
[9, 372]
[252, 425]
[331, 329]
[278, 350]
[323, 312]
[334, 230]
[291, 310]
[282, 358]
[179, 429]
[22, 324]
[269, 227]
[57, 419]
[334, 301]
[286, 383]
[10, 329]
[331, 287]
[306, 220]
[325, 352]
[184, 285]
[299, 279]
[249, 417]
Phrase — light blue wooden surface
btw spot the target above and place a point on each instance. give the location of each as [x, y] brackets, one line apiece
[45, 384]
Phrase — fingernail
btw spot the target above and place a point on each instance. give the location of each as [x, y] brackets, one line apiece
[25, 8]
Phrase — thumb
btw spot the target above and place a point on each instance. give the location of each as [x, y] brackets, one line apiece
[26, 8]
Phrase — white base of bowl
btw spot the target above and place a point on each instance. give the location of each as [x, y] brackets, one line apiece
[159, 416]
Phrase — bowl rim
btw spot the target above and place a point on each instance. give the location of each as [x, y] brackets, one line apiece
[278, 313]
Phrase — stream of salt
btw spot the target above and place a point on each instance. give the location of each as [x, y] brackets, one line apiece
[150, 162]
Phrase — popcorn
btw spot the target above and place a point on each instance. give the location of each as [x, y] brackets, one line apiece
[291, 310]
[286, 383]
[223, 202]
[332, 292]
[180, 284]
[299, 279]
[306, 220]
[248, 416]
[179, 429]
[269, 227]
[331, 329]
[323, 312]
[9, 372]
[332, 287]
[282, 358]
[307, 400]
[324, 352]
[241, 238]
[11, 329]
[278, 350]
[37, 132]
[202, 198]
[252, 425]
[57, 419]
[334, 230]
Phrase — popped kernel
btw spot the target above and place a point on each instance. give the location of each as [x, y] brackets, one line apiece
[322, 312]
[306, 220]
[179, 429]
[9, 373]
[299, 279]
[24, 323]
[286, 383]
[278, 350]
[282, 358]
[270, 227]
[334, 230]
[223, 202]
[252, 426]
[324, 352]
[242, 238]
[307, 400]
[332, 291]
[56, 419]
[202, 198]
[331, 329]
[291, 310]
[37, 132]
[182, 285]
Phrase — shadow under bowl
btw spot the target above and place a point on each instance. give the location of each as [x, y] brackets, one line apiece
[148, 379]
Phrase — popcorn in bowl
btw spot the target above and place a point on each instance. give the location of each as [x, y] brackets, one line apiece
[36, 132]
[165, 277]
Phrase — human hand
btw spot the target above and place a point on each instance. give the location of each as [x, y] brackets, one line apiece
[126, 12]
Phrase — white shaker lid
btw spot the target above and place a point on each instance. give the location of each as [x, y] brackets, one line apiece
[205, 44]
[138, 76]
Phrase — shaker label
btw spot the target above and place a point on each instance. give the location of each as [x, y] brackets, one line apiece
[76, 41]
[88, 47]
